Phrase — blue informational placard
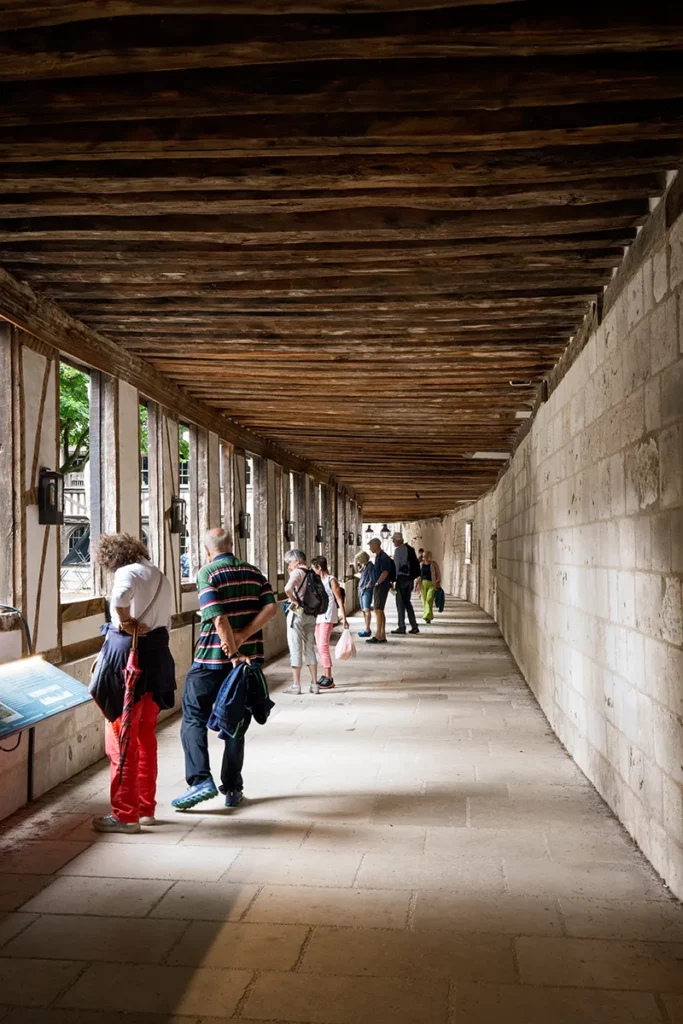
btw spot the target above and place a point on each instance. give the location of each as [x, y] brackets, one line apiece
[32, 689]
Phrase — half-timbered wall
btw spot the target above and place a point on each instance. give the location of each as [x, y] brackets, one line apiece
[67, 633]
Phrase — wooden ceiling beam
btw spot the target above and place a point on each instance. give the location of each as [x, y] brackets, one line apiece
[351, 255]
[144, 44]
[360, 173]
[304, 136]
[294, 293]
[496, 197]
[397, 224]
[138, 274]
[16, 14]
[488, 84]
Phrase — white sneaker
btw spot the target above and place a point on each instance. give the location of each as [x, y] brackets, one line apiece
[108, 823]
[148, 820]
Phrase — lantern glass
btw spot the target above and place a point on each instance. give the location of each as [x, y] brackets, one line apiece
[178, 515]
[289, 530]
[50, 498]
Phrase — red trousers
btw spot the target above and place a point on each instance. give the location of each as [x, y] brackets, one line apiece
[134, 796]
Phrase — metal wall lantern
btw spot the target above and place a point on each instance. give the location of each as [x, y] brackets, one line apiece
[50, 498]
[369, 531]
[359, 539]
[289, 530]
[350, 537]
[178, 515]
[319, 535]
[385, 532]
[244, 526]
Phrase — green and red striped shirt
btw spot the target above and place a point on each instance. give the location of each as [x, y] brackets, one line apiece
[228, 586]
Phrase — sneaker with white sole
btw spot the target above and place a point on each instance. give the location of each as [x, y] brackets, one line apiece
[109, 823]
[148, 819]
[195, 795]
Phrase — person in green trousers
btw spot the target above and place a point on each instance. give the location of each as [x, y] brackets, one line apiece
[428, 582]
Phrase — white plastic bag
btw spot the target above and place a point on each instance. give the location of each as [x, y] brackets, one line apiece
[345, 648]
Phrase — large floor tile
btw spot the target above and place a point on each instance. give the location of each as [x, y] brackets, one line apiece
[431, 871]
[42, 858]
[602, 963]
[60, 1016]
[217, 830]
[135, 860]
[16, 890]
[486, 842]
[329, 838]
[369, 908]
[410, 954]
[35, 982]
[115, 897]
[206, 901]
[648, 920]
[590, 878]
[322, 999]
[503, 915]
[255, 947]
[12, 924]
[301, 868]
[127, 988]
[71, 937]
[524, 1004]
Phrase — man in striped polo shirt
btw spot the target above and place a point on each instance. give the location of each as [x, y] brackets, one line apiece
[236, 601]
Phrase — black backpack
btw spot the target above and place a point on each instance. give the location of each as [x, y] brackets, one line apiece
[315, 600]
[413, 563]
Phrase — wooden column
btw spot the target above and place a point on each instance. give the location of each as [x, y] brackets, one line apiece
[163, 485]
[227, 508]
[272, 482]
[240, 500]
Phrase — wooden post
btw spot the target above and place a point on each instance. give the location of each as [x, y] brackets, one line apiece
[240, 500]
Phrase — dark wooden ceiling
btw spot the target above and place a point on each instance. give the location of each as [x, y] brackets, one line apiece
[351, 226]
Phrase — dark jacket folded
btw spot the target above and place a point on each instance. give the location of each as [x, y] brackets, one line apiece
[156, 664]
[243, 695]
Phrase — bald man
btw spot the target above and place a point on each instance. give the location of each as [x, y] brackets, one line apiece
[236, 601]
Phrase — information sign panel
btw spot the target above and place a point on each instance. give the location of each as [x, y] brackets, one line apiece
[32, 689]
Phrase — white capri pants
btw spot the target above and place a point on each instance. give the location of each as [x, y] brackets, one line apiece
[301, 640]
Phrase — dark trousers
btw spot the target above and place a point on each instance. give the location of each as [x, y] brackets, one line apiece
[201, 689]
[404, 588]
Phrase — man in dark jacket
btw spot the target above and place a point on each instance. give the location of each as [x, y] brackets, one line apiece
[407, 571]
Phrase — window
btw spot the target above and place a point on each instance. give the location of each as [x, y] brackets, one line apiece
[184, 489]
[76, 577]
[468, 542]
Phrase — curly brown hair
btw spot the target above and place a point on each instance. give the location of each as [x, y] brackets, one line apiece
[114, 550]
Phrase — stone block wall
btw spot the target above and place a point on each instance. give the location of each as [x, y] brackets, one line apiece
[589, 526]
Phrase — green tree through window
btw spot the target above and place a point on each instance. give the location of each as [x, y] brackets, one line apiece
[74, 418]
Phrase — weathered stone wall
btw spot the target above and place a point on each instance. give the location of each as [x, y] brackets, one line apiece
[589, 524]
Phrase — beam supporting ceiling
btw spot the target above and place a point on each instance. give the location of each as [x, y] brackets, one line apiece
[357, 234]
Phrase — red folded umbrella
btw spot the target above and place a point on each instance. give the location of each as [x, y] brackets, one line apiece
[131, 674]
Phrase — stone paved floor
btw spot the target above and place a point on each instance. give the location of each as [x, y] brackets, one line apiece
[417, 848]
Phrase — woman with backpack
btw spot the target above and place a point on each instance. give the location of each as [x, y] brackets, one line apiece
[327, 620]
[307, 599]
